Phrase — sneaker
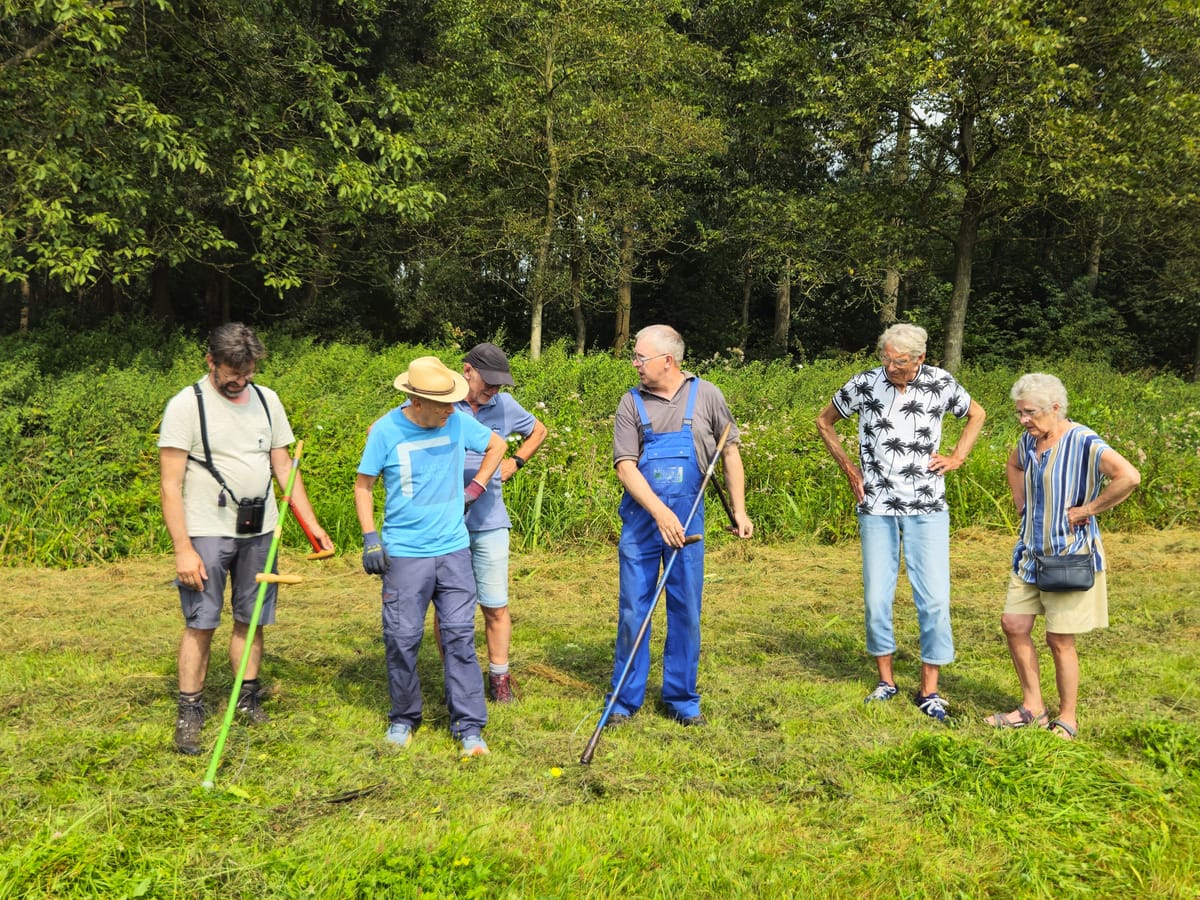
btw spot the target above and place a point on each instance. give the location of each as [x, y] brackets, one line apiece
[473, 745]
[249, 706]
[883, 691]
[187, 728]
[500, 688]
[932, 705]
[399, 733]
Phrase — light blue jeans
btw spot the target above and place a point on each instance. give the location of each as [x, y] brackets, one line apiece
[926, 543]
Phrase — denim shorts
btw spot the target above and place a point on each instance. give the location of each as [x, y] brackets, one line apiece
[489, 560]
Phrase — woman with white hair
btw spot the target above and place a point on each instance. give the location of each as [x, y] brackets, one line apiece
[1056, 474]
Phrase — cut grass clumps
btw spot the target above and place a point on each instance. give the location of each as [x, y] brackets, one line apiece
[794, 789]
[1024, 789]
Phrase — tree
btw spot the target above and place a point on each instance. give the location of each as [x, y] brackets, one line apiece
[559, 128]
[147, 136]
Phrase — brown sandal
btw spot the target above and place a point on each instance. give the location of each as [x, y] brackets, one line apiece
[1001, 720]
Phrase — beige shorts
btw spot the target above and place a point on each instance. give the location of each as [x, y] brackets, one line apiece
[1066, 612]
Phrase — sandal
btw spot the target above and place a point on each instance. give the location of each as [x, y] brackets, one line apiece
[1061, 729]
[1001, 720]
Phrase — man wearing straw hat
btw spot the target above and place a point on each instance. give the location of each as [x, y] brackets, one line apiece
[423, 549]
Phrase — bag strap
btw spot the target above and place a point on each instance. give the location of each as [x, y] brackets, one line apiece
[207, 461]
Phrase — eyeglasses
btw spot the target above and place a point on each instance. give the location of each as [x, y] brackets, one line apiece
[226, 375]
[639, 360]
[901, 362]
[1028, 413]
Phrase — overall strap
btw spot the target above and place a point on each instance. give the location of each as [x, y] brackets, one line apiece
[691, 404]
[688, 411]
[641, 411]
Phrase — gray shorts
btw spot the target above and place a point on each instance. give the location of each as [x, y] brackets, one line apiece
[241, 559]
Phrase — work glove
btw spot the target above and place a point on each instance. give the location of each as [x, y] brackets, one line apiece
[375, 559]
[474, 492]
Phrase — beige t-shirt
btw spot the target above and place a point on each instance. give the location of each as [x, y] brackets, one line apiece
[241, 438]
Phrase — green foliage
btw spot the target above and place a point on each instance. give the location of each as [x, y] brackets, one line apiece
[148, 135]
[78, 471]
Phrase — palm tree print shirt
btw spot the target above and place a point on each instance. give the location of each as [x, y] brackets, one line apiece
[897, 433]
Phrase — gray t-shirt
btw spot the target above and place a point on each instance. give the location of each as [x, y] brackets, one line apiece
[709, 418]
[241, 439]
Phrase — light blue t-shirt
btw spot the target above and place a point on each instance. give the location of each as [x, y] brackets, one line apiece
[422, 477]
[504, 416]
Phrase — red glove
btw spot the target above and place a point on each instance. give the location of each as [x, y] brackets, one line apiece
[474, 492]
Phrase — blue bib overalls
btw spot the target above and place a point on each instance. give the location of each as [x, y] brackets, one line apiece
[670, 466]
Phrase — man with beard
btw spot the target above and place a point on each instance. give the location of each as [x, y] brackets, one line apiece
[221, 441]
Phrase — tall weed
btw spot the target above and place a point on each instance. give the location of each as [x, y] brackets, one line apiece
[78, 459]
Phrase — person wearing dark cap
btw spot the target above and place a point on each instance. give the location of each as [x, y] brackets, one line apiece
[424, 551]
[486, 370]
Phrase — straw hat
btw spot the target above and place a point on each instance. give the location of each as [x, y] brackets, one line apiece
[428, 377]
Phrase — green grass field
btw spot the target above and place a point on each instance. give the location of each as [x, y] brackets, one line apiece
[795, 789]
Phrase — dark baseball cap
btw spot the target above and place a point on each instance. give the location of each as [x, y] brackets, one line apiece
[491, 364]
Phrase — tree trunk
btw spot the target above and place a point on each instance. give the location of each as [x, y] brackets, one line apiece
[26, 304]
[889, 312]
[783, 311]
[969, 216]
[1092, 276]
[1196, 358]
[216, 298]
[960, 295]
[542, 262]
[160, 295]
[624, 291]
[747, 290]
[577, 302]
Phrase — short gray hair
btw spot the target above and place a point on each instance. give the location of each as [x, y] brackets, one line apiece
[235, 345]
[664, 338]
[1042, 389]
[904, 338]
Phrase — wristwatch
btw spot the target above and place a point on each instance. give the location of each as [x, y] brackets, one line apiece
[520, 463]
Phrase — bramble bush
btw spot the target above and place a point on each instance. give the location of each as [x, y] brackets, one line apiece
[79, 415]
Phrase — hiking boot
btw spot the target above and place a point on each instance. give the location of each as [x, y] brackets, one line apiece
[188, 722]
[932, 705]
[616, 720]
[500, 688]
[249, 706]
[696, 721]
[883, 691]
[400, 734]
[473, 745]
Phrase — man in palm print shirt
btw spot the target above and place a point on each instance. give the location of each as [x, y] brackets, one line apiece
[900, 488]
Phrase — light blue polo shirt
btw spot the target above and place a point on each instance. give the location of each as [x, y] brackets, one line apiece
[504, 416]
[422, 477]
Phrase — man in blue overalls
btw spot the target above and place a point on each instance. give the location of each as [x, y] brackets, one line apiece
[665, 433]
